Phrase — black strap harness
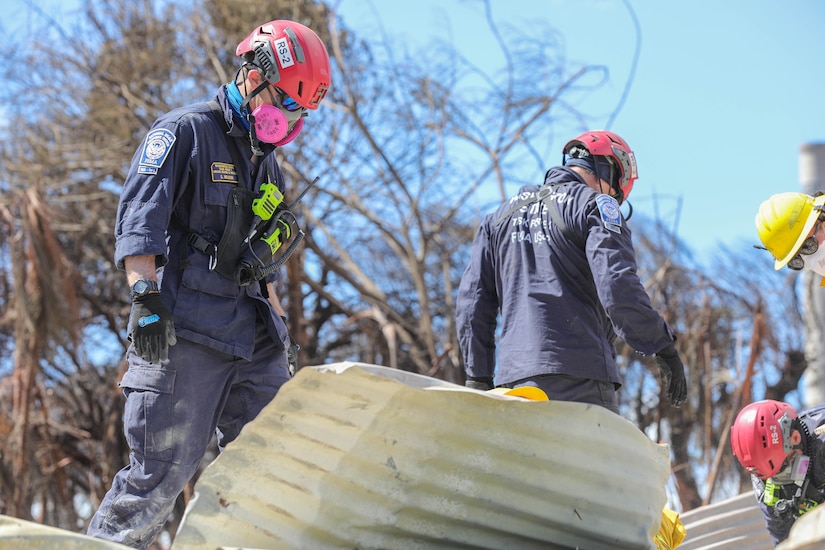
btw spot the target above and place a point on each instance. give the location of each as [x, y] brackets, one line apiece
[221, 257]
[224, 256]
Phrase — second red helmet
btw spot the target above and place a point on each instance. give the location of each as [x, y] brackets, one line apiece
[608, 144]
[760, 436]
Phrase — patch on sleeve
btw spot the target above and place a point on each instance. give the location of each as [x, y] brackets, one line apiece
[610, 213]
[224, 172]
[156, 148]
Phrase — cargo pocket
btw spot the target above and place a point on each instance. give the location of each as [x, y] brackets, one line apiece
[148, 418]
[208, 304]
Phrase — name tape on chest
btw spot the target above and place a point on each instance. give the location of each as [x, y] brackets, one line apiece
[156, 148]
[223, 172]
[610, 213]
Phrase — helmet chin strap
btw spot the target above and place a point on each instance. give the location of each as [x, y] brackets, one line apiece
[258, 89]
[253, 138]
[630, 210]
[615, 193]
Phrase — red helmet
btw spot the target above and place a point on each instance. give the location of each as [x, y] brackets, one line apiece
[608, 144]
[760, 436]
[291, 57]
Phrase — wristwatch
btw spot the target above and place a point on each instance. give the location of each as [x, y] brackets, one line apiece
[142, 287]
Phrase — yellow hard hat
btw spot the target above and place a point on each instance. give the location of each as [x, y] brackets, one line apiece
[784, 221]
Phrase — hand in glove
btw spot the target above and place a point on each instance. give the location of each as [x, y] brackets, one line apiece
[151, 329]
[673, 374]
[291, 351]
[292, 354]
[483, 383]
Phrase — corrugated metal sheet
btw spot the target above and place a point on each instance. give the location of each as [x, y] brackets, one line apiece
[808, 533]
[361, 456]
[735, 523]
[738, 523]
[18, 534]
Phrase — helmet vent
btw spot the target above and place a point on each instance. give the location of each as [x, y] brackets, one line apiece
[264, 60]
[578, 151]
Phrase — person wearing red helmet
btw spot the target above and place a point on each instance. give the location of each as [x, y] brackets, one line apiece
[556, 262]
[784, 451]
[608, 155]
[209, 343]
[291, 61]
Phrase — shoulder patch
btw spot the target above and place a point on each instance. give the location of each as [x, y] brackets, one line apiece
[610, 213]
[156, 148]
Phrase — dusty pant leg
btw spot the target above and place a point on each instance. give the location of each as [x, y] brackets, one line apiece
[137, 506]
[255, 385]
[170, 415]
[561, 387]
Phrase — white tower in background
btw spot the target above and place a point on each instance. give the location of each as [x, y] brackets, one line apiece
[812, 178]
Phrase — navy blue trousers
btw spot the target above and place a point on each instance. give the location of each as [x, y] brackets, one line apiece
[171, 412]
[561, 387]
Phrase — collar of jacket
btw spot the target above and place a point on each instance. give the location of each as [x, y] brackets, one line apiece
[562, 174]
[235, 122]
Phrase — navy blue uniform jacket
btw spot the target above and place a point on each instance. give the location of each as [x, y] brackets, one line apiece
[561, 305]
[185, 166]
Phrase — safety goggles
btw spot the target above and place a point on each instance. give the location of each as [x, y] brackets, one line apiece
[287, 102]
[809, 246]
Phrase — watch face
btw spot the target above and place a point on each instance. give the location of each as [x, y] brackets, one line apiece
[142, 287]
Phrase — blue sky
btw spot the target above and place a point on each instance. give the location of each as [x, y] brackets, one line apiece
[723, 95]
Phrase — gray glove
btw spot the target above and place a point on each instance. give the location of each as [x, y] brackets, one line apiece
[483, 383]
[292, 354]
[673, 374]
[291, 351]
